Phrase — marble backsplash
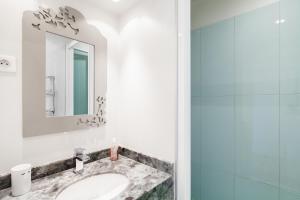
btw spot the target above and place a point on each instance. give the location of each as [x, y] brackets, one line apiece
[147, 160]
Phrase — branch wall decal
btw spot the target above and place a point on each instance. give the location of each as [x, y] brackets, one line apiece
[64, 19]
[98, 119]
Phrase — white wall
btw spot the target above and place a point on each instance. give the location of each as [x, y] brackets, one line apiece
[141, 97]
[148, 78]
[15, 149]
[205, 12]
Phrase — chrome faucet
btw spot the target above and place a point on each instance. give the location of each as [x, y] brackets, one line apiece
[80, 159]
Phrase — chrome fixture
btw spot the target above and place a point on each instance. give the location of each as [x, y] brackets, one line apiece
[80, 159]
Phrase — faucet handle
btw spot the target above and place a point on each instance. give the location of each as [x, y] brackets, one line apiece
[81, 155]
[83, 158]
[79, 151]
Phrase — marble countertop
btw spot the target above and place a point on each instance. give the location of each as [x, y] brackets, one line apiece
[142, 180]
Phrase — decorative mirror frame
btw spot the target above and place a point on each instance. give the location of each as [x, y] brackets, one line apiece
[70, 23]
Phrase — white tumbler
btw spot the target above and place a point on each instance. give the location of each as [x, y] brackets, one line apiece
[20, 179]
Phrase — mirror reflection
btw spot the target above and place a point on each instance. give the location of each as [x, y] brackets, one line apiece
[69, 77]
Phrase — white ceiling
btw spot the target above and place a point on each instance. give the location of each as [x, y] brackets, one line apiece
[114, 7]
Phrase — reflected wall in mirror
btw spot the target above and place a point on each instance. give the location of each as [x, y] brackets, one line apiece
[69, 76]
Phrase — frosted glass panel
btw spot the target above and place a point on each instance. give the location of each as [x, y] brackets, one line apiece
[257, 140]
[196, 150]
[217, 110]
[290, 100]
[217, 59]
[196, 62]
[290, 47]
[247, 189]
[216, 184]
[257, 51]
[212, 167]
[290, 148]
[213, 103]
[246, 106]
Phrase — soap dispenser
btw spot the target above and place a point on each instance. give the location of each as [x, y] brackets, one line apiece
[114, 150]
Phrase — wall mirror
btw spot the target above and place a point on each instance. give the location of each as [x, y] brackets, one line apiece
[64, 72]
[69, 76]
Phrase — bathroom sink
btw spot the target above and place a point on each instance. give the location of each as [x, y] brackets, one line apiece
[99, 187]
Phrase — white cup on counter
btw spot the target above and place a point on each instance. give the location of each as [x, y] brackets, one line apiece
[20, 179]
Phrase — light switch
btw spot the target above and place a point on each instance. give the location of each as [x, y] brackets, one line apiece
[8, 64]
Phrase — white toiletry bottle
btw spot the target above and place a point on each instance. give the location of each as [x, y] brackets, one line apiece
[114, 150]
[20, 179]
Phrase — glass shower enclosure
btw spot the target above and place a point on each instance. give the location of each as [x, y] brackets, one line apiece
[246, 106]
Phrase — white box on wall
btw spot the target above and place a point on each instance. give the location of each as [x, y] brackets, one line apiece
[8, 64]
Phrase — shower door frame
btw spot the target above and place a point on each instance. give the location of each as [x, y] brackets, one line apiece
[183, 157]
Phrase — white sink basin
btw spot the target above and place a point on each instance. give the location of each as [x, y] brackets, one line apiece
[100, 187]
